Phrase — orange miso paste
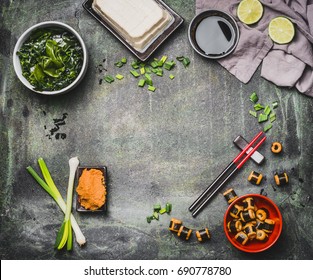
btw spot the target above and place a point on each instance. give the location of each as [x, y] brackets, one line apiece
[91, 189]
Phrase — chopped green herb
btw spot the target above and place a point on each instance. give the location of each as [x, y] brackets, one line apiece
[162, 60]
[168, 207]
[148, 79]
[275, 105]
[162, 211]
[159, 72]
[157, 207]
[267, 127]
[154, 70]
[262, 118]
[124, 60]
[186, 62]
[168, 65]
[119, 77]
[151, 88]
[141, 82]
[253, 113]
[171, 76]
[109, 79]
[156, 215]
[135, 64]
[142, 70]
[154, 64]
[119, 64]
[134, 73]
[258, 107]
[254, 97]
[267, 110]
[148, 70]
[272, 117]
[149, 219]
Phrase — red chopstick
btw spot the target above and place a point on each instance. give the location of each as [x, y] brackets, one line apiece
[233, 166]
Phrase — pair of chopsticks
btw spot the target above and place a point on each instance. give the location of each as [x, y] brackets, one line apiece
[231, 169]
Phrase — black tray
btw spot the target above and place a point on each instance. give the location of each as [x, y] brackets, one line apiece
[79, 207]
[154, 44]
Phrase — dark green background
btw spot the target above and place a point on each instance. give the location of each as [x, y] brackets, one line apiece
[159, 147]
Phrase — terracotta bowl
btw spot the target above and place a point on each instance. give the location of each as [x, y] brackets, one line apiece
[255, 246]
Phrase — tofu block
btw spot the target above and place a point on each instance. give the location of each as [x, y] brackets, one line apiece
[137, 21]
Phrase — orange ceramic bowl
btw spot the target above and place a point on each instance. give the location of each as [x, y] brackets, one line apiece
[255, 246]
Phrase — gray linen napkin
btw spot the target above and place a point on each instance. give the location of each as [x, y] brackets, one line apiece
[289, 65]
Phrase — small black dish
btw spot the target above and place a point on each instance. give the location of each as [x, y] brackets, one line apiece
[79, 207]
[213, 34]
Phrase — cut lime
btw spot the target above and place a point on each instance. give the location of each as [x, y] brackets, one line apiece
[249, 11]
[281, 30]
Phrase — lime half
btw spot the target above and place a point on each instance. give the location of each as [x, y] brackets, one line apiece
[281, 30]
[250, 11]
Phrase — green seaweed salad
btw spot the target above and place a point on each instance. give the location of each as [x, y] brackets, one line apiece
[51, 59]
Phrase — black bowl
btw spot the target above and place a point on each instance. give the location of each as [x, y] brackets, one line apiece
[213, 34]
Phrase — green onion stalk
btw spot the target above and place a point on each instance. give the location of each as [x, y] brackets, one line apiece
[49, 186]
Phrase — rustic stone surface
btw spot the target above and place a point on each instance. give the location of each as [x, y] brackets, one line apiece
[162, 146]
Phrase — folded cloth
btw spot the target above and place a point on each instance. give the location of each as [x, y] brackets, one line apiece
[289, 65]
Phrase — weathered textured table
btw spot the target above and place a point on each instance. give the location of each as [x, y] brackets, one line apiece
[162, 146]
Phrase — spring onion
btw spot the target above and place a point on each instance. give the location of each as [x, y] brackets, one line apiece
[134, 73]
[148, 80]
[254, 97]
[157, 207]
[159, 72]
[109, 79]
[158, 210]
[184, 60]
[151, 88]
[148, 70]
[258, 107]
[272, 117]
[162, 211]
[267, 110]
[119, 77]
[64, 235]
[171, 76]
[141, 82]
[156, 215]
[275, 105]
[154, 64]
[142, 70]
[49, 186]
[168, 207]
[124, 60]
[253, 113]
[162, 60]
[119, 64]
[262, 118]
[135, 64]
[168, 65]
[267, 127]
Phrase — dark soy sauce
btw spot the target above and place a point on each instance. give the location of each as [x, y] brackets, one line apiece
[215, 35]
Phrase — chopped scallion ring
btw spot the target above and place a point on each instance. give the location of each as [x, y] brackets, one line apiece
[254, 97]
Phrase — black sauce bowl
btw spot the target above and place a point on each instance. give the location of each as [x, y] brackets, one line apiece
[218, 31]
